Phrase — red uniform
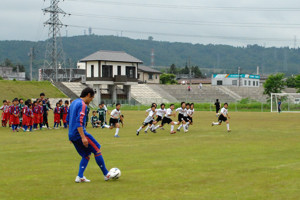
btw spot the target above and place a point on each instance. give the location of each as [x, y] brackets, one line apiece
[40, 114]
[36, 119]
[65, 113]
[14, 115]
[57, 111]
[30, 117]
[25, 111]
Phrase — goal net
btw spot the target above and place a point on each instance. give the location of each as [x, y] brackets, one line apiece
[285, 102]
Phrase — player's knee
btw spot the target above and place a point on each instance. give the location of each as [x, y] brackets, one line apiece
[88, 157]
[98, 153]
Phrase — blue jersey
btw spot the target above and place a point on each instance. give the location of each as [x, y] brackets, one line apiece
[76, 118]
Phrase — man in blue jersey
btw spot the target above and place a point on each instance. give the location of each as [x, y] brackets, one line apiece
[84, 142]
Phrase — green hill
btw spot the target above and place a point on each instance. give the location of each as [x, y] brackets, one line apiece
[28, 89]
[225, 57]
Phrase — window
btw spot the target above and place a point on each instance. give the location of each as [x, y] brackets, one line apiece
[92, 71]
[107, 71]
[219, 82]
[150, 76]
[139, 75]
[253, 83]
[156, 76]
[234, 82]
[256, 83]
[245, 82]
[119, 70]
[130, 72]
[249, 83]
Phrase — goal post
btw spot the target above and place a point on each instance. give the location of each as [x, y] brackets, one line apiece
[287, 102]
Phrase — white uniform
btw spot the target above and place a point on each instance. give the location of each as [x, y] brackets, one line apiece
[161, 112]
[190, 112]
[224, 111]
[115, 114]
[180, 110]
[149, 118]
[168, 113]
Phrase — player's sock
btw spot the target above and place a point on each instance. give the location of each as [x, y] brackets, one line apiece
[25, 127]
[106, 126]
[100, 161]
[175, 123]
[117, 131]
[83, 164]
[54, 124]
[140, 129]
[41, 126]
[30, 129]
[228, 127]
[215, 123]
[13, 127]
[151, 127]
[172, 128]
[65, 125]
[180, 126]
[147, 128]
[47, 125]
[156, 127]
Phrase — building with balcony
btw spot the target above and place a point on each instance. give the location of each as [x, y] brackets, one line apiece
[110, 71]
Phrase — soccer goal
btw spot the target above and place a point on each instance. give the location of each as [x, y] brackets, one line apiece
[286, 102]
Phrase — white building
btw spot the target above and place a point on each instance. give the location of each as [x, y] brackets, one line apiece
[110, 68]
[148, 75]
[242, 80]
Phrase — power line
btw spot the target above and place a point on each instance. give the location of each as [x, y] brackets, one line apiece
[186, 35]
[193, 7]
[191, 22]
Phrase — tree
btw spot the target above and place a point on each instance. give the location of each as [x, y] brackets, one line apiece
[150, 38]
[173, 69]
[274, 84]
[197, 72]
[185, 70]
[297, 83]
[168, 79]
[291, 82]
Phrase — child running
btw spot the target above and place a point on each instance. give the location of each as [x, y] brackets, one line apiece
[149, 119]
[167, 119]
[115, 117]
[223, 117]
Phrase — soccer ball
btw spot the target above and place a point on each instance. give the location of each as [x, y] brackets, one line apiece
[115, 173]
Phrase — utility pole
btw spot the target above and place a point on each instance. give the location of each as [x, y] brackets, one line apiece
[31, 55]
[54, 57]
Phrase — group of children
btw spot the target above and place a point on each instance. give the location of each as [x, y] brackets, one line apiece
[26, 115]
[163, 115]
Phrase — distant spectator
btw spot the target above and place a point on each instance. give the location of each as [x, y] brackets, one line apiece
[200, 86]
[189, 88]
[279, 105]
[218, 106]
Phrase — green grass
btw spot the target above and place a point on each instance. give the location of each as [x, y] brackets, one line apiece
[259, 159]
[28, 89]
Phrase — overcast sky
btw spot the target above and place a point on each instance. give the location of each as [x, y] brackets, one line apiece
[233, 22]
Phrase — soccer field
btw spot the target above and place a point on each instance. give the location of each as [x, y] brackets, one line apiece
[259, 159]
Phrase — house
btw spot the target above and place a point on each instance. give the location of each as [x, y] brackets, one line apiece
[7, 73]
[240, 80]
[110, 72]
[148, 75]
